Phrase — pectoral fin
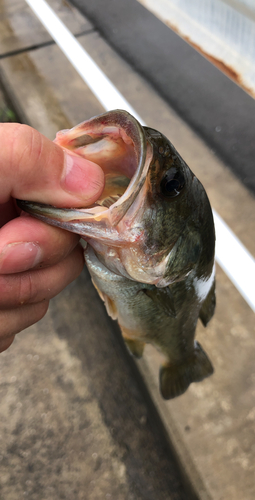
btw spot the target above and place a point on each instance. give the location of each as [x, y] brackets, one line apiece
[164, 298]
[183, 257]
[135, 347]
[176, 378]
[109, 303]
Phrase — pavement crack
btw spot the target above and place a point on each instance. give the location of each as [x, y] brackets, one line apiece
[37, 46]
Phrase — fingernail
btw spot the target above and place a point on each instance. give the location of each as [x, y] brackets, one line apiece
[82, 177]
[19, 257]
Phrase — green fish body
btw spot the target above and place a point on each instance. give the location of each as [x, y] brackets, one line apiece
[151, 242]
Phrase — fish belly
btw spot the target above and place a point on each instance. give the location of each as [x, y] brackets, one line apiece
[123, 299]
[143, 321]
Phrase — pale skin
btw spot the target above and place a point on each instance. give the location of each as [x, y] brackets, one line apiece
[36, 260]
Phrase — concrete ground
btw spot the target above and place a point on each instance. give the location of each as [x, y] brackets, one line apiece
[82, 373]
[74, 422]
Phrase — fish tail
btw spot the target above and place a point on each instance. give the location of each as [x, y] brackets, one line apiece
[175, 379]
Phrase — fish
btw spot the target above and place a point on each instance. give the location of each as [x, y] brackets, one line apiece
[150, 242]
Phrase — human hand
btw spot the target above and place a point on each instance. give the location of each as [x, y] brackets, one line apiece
[37, 260]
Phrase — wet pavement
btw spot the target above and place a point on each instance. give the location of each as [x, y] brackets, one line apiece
[73, 402]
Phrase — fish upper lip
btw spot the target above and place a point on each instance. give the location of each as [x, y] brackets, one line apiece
[134, 130]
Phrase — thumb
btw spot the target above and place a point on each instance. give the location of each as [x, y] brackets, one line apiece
[34, 168]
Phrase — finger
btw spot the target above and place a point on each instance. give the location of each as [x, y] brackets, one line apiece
[8, 211]
[34, 168]
[5, 343]
[27, 243]
[42, 284]
[16, 320]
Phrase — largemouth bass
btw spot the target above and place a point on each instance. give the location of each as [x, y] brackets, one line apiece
[150, 242]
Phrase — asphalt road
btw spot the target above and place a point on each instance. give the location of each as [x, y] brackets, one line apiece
[215, 107]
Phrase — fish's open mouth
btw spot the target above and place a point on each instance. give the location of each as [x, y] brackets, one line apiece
[117, 143]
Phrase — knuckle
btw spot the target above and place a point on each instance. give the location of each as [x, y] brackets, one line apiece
[26, 289]
[18, 290]
[27, 143]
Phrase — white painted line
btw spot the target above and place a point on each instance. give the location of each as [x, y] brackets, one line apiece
[101, 86]
[232, 256]
[235, 260]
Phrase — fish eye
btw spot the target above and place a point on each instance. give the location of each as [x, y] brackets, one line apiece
[172, 183]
